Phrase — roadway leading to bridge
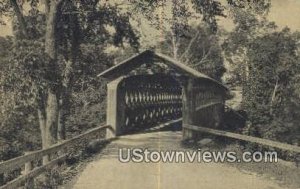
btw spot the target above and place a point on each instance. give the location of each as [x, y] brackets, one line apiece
[108, 173]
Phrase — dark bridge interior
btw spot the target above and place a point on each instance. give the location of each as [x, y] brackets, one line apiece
[150, 100]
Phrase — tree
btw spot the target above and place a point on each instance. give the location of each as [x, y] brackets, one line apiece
[179, 34]
[273, 63]
[250, 22]
[48, 42]
[50, 61]
[264, 61]
[200, 49]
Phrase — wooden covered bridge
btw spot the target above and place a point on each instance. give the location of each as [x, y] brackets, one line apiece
[151, 88]
[143, 91]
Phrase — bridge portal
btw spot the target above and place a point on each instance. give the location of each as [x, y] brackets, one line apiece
[150, 88]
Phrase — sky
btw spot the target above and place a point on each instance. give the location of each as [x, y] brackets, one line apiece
[286, 13]
[283, 13]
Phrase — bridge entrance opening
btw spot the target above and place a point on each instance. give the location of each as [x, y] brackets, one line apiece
[150, 100]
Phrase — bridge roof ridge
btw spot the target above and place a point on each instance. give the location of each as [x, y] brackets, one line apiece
[147, 56]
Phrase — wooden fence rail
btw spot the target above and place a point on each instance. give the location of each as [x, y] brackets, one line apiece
[19, 162]
[257, 140]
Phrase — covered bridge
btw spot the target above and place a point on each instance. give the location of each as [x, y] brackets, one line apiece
[151, 88]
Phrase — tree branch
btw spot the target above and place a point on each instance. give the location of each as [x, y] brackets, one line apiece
[189, 45]
[47, 6]
[204, 58]
[20, 17]
[274, 95]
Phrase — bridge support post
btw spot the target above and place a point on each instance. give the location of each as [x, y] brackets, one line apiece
[115, 108]
[188, 107]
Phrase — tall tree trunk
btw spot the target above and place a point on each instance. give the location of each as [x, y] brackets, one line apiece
[174, 46]
[52, 105]
[67, 78]
[42, 123]
[52, 119]
[274, 96]
[245, 78]
[62, 116]
[48, 105]
[64, 101]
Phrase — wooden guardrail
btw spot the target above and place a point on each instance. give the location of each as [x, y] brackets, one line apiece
[247, 138]
[58, 149]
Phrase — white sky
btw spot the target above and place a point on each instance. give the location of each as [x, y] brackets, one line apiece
[283, 12]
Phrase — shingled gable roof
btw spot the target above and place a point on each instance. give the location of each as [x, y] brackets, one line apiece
[147, 56]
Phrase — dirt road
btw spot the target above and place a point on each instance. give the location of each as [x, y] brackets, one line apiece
[107, 172]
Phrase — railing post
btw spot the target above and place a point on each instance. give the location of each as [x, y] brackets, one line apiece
[46, 159]
[28, 167]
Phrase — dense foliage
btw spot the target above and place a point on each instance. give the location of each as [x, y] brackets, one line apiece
[91, 36]
[85, 30]
[272, 99]
[264, 61]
